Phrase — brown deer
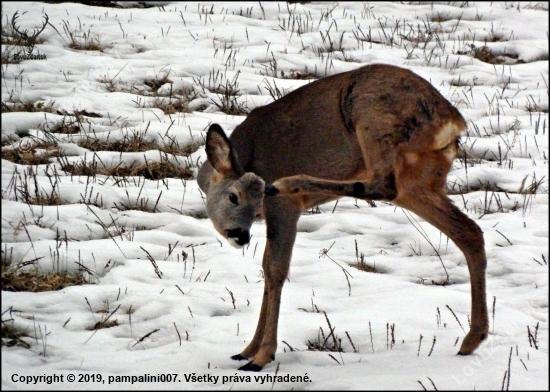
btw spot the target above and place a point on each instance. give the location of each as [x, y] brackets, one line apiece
[378, 133]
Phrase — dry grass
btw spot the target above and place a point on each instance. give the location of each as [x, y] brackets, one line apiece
[12, 336]
[67, 127]
[80, 39]
[105, 324]
[155, 84]
[441, 17]
[91, 44]
[227, 91]
[229, 104]
[31, 156]
[361, 265]
[112, 4]
[457, 189]
[330, 342]
[197, 214]
[43, 199]
[170, 105]
[170, 102]
[487, 56]
[137, 142]
[24, 187]
[16, 279]
[149, 170]
[10, 107]
[461, 82]
[305, 75]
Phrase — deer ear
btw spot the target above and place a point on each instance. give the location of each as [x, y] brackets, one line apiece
[220, 153]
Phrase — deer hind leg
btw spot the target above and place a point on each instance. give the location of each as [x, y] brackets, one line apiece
[414, 179]
[281, 216]
[419, 180]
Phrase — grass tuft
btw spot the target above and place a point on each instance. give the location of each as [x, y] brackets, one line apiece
[137, 142]
[149, 170]
[38, 154]
[361, 264]
[12, 336]
[322, 343]
[487, 56]
[14, 278]
[11, 107]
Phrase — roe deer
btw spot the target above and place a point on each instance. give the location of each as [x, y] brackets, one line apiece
[379, 133]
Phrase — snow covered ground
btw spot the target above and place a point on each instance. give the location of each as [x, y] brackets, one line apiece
[176, 300]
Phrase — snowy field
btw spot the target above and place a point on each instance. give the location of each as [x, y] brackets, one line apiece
[103, 130]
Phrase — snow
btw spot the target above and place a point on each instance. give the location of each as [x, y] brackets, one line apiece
[202, 305]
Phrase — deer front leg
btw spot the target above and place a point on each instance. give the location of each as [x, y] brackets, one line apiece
[281, 217]
[256, 341]
[254, 346]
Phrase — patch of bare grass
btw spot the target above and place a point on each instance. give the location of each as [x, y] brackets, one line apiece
[150, 170]
[12, 336]
[227, 91]
[299, 75]
[170, 105]
[67, 126]
[441, 17]
[81, 39]
[169, 102]
[38, 154]
[330, 342]
[25, 188]
[15, 278]
[19, 106]
[197, 214]
[361, 264]
[488, 56]
[106, 321]
[138, 142]
[105, 324]
[461, 82]
[155, 84]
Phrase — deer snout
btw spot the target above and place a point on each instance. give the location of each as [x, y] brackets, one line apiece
[271, 190]
[240, 236]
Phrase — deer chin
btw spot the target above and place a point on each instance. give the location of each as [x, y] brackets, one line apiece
[223, 234]
[234, 243]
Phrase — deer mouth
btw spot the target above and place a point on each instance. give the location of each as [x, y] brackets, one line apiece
[238, 237]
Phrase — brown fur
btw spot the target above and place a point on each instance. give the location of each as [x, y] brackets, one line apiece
[379, 133]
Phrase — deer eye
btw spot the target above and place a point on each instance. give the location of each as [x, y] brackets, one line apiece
[233, 198]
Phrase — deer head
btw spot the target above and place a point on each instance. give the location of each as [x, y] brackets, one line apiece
[234, 197]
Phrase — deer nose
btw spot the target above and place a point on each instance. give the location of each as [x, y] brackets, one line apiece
[240, 236]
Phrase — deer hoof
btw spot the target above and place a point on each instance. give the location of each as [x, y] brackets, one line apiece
[251, 367]
[472, 341]
[238, 357]
[271, 190]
